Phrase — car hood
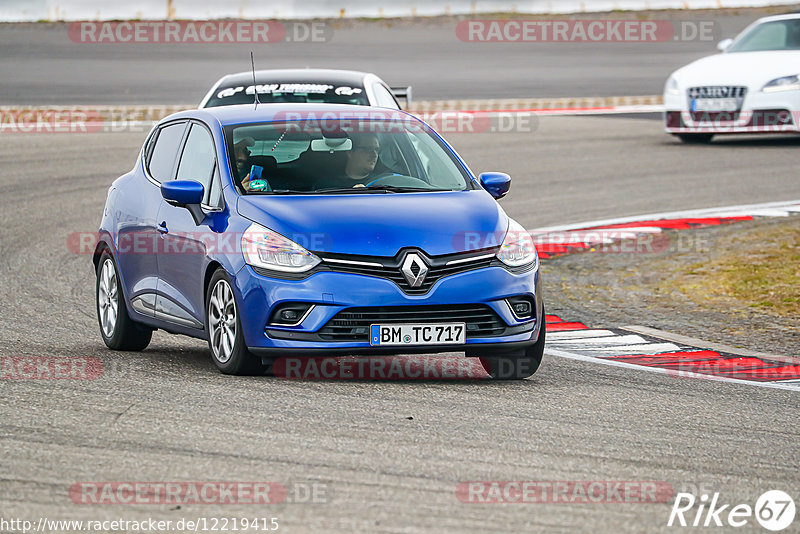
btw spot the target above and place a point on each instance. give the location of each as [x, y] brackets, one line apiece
[752, 69]
[382, 224]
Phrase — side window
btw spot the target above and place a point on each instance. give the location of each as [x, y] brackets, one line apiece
[162, 158]
[383, 97]
[769, 37]
[198, 159]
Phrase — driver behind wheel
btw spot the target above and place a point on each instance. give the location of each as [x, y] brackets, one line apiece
[362, 158]
[360, 166]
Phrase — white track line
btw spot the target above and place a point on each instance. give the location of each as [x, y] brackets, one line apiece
[606, 340]
[729, 211]
[576, 334]
[650, 349]
[683, 374]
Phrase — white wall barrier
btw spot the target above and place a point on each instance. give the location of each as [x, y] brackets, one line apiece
[53, 10]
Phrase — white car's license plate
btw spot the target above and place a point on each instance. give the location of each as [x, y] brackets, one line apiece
[715, 104]
[417, 334]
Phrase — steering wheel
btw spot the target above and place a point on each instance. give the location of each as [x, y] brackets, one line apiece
[381, 176]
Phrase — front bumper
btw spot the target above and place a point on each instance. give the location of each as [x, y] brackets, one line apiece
[332, 292]
[760, 113]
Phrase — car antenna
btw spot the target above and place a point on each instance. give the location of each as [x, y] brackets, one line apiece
[255, 89]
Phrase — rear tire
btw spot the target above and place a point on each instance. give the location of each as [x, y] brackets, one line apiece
[118, 330]
[517, 367]
[224, 328]
[696, 139]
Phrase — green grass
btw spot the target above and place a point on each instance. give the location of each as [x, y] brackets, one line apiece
[760, 270]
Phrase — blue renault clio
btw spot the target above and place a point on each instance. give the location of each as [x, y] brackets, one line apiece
[304, 229]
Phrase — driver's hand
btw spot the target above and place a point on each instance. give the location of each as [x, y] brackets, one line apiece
[246, 183]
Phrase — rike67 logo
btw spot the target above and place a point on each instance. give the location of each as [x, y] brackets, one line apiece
[774, 510]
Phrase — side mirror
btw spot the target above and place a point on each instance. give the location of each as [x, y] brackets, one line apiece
[496, 183]
[185, 194]
[724, 44]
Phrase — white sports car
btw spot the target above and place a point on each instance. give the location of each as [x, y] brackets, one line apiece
[752, 87]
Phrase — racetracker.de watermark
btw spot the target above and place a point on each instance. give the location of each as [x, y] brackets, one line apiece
[600, 241]
[50, 367]
[82, 120]
[563, 492]
[387, 121]
[194, 32]
[586, 31]
[763, 121]
[216, 492]
[201, 242]
[379, 368]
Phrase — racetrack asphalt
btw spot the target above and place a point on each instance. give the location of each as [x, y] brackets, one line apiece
[391, 454]
[44, 67]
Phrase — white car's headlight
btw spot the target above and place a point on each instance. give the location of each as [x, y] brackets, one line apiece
[269, 250]
[672, 87]
[787, 83]
[517, 249]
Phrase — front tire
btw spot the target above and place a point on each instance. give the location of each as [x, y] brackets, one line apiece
[118, 330]
[224, 327]
[517, 367]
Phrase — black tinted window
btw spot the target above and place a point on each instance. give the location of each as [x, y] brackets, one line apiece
[163, 157]
[197, 161]
[315, 93]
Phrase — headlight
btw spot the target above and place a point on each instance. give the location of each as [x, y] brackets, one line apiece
[517, 249]
[672, 87]
[787, 83]
[269, 250]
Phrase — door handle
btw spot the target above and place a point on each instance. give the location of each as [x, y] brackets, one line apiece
[162, 228]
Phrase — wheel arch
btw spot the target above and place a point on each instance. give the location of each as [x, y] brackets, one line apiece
[211, 268]
[102, 246]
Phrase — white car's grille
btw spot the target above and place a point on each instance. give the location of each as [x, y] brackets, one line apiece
[717, 91]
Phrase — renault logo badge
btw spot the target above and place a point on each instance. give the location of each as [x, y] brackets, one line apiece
[414, 269]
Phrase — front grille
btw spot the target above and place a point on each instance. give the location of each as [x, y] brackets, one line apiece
[352, 324]
[390, 268]
[717, 91]
[757, 118]
[715, 117]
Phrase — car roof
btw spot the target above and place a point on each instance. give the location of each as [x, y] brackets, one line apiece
[243, 114]
[773, 18]
[331, 76]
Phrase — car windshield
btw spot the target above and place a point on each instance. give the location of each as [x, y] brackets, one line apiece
[774, 35]
[320, 93]
[334, 155]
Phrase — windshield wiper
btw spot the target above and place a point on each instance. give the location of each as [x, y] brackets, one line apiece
[374, 190]
[402, 189]
[283, 192]
[357, 190]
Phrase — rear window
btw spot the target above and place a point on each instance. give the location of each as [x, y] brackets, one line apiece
[268, 93]
[273, 143]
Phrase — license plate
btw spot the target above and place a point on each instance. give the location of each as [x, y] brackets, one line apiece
[715, 104]
[417, 334]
